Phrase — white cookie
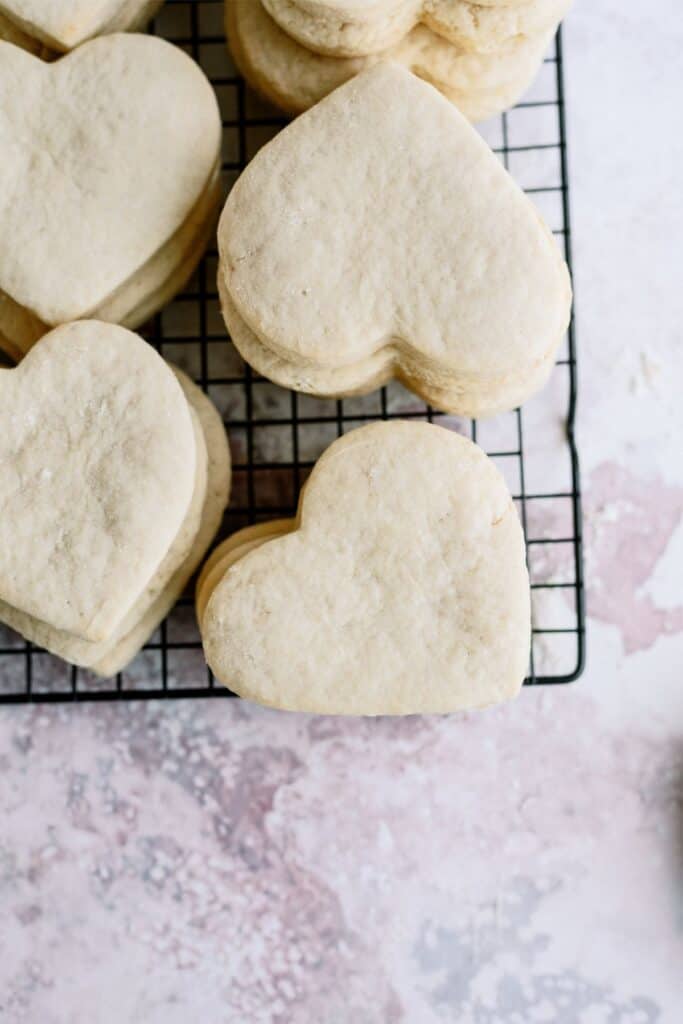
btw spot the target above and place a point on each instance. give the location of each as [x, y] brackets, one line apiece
[379, 229]
[86, 652]
[98, 467]
[477, 29]
[295, 78]
[148, 290]
[142, 295]
[230, 551]
[451, 393]
[60, 25]
[401, 587]
[107, 155]
[124, 648]
[125, 473]
[110, 656]
[326, 28]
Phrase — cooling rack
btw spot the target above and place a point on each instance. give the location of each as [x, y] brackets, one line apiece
[277, 435]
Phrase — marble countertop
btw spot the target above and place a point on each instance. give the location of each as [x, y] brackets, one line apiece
[217, 862]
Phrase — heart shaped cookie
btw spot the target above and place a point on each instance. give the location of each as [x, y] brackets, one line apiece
[378, 235]
[108, 181]
[400, 588]
[98, 456]
[63, 24]
[294, 77]
[114, 473]
[340, 29]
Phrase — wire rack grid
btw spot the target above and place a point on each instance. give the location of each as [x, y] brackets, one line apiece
[277, 435]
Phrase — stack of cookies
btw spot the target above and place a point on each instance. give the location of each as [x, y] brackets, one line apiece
[399, 588]
[378, 237]
[110, 183]
[481, 55]
[114, 475]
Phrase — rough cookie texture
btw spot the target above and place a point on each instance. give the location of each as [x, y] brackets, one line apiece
[106, 153]
[125, 647]
[332, 28]
[97, 471]
[117, 533]
[141, 295]
[379, 227]
[401, 589]
[294, 78]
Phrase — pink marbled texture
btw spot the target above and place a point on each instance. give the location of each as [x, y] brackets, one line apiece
[630, 523]
[220, 863]
[227, 862]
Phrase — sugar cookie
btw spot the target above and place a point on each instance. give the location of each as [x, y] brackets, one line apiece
[377, 236]
[400, 587]
[114, 473]
[110, 182]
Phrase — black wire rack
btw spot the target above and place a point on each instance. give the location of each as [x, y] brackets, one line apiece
[277, 435]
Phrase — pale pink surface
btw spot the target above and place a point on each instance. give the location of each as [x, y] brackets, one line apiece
[221, 863]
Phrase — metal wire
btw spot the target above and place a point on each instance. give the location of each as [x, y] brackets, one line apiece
[277, 436]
